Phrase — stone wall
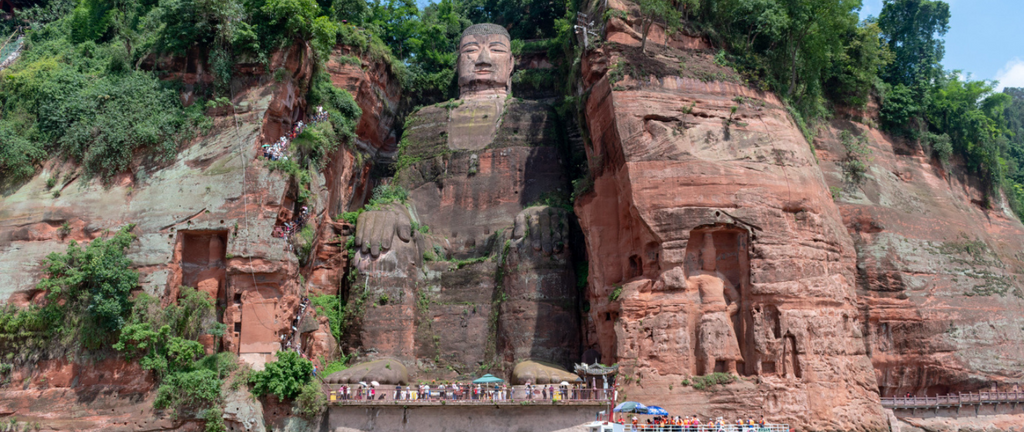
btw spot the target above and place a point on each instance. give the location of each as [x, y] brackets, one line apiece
[460, 418]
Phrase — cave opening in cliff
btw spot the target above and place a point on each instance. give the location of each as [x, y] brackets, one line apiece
[201, 257]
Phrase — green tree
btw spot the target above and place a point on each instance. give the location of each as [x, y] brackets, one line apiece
[352, 11]
[972, 115]
[913, 30]
[189, 392]
[396, 22]
[854, 71]
[97, 279]
[283, 378]
[662, 10]
[524, 19]
[434, 49]
[200, 22]
[18, 156]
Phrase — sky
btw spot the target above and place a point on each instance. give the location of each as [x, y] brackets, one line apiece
[985, 38]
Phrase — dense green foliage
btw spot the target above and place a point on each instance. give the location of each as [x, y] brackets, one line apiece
[89, 306]
[189, 391]
[87, 294]
[798, 48]
[76, 91]
[283, 378]
[163, 339]
[311, 400]
[944, 111]
[330, 306]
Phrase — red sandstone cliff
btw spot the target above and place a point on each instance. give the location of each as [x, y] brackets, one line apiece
[938, 274]
[903, 283]
[205, 220]
[677, 163]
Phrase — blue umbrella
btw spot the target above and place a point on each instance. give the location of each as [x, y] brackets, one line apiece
[631, 407]
[656, 410]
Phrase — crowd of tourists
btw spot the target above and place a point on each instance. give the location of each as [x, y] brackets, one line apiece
[278, 150]
[694, 424]
[473, 392]
[293, 226]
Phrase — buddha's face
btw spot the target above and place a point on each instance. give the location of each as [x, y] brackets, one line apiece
[485, 64]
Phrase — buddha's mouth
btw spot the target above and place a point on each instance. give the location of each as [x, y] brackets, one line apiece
[483, 71]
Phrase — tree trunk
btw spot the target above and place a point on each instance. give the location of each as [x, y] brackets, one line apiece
[792, 71]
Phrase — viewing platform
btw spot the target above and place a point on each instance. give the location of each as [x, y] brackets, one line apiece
[512, 396]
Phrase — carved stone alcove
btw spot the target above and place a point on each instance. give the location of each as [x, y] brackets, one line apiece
[718, 267]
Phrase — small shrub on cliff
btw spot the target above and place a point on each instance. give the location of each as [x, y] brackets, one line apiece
[706, 382]
[387, 194]
[87, 289]
[283, 378]
[311, 400]
[189, 391]
[615, 293]
[330, 306]
[854, 164]
[214, 418]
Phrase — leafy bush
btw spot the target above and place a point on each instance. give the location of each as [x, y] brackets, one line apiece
[335, 366]
[899, 107]
[283, 378]
[386, 194]
[311, 400]
[616, 292]
[854, 163]
[95, 281]
[214, 418]
[188, 391]
[85, 102]
[706, 382]
[330, 306]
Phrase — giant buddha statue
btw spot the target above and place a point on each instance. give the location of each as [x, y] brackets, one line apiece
[485, 279]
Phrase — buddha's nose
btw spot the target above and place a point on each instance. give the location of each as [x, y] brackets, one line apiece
[485, 57]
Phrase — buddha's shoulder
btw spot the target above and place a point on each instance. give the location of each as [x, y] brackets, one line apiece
[528, 123]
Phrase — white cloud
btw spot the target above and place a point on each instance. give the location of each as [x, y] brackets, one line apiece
[1011, 75]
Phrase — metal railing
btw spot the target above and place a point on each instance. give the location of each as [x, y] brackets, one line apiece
[952, 400]
[709, 428]
[464, 395]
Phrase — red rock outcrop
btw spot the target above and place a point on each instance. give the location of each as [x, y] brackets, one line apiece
[205, 220]
[939, 276]
[714, 245]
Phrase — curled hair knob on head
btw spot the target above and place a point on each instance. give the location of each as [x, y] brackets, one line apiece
[485, 29]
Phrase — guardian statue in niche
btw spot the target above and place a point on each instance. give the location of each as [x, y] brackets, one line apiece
[716, 335]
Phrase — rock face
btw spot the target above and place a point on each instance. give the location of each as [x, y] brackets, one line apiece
[714, 245]
[205, 220]
[939, 276]
[716, 240]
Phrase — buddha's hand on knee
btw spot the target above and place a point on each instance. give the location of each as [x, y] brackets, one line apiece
[544, 228]
[376, 229]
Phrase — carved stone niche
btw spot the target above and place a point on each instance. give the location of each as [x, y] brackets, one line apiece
[717, 266]
[735, 331]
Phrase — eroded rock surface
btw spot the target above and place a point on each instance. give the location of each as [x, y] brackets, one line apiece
[939, 276]
[683, 169]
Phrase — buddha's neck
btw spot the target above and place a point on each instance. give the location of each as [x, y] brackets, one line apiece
[484, 93]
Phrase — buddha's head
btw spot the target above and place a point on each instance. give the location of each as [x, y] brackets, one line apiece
[485, 61]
